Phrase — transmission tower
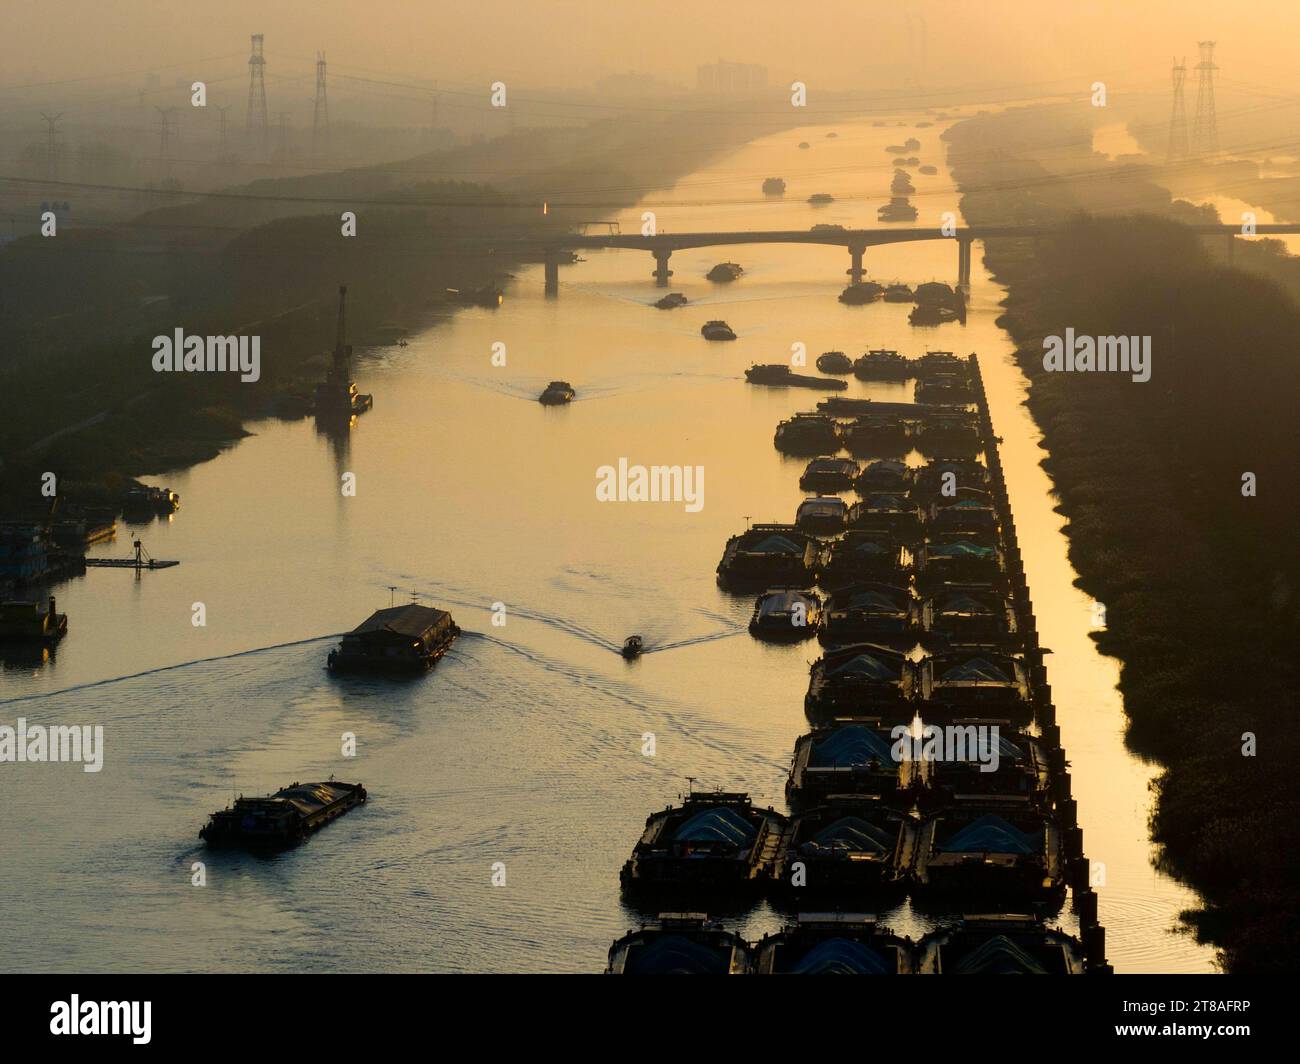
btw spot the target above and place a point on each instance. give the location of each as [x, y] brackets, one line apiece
[221, 133]
[256, 126]
[320, 122]
[1178, 117]
[52, 152]
[1205, 126]
[164, 137]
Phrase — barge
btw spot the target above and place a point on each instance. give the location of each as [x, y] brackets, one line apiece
[769, 556]
[860, 293]
[962, 614]
[1002, 945]
[991, 849]
[1023, 767]
[859, 555]
[867, 612]
[822, 515]
[891, 513]
[773, 186]
[862, 678]
[849, 756]
[884, 475]
[717, 841]
[848, 847]
[779, 375]
[283, 818]
[975, 681]
[807, 434]
[145, 502]
[680, 944]
[882, 364]
[408, 638]
[785, 614]
[839, 943]
[671, 301]
[829, 474]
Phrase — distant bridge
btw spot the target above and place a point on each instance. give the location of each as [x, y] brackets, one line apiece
[550, 249]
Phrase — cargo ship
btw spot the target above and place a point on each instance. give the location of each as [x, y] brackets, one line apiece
[724, 272]
[829, 474]
[773, 186]
[283, 818]
[785, 615]
[407, 638]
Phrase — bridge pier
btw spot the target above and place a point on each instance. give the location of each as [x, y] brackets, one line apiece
[551, 267]
[855, 262]
[662, 272]
[963, 264]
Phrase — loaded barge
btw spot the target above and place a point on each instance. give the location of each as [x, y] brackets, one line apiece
[407, 638]
[926, 586]
[283, 818]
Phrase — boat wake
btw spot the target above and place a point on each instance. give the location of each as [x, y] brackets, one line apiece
[167, 668]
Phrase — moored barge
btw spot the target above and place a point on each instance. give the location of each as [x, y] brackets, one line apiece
[862, 678]
[769, 556]
[846, 847]
[785, 614]
[1002, 945]
[716, 841]
[849, 756]
[680, 944]
[839, 943]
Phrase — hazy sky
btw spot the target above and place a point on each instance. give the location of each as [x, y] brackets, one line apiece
[565, 43]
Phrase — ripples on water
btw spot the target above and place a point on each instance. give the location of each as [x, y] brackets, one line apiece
[524, 745]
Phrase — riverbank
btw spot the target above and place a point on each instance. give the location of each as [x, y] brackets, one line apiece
[267, 258]
[1198, 579]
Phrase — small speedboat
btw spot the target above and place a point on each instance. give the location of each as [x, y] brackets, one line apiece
[557, 394]
[632, 647]
[717, 330]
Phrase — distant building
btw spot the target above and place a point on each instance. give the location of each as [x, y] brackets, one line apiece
[723, 78]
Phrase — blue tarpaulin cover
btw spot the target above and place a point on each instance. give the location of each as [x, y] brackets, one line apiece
[851, 745]
[961, 549]
[776, 545]
[717, 825]
[676, 955]
[977, 669]
[992, 834]
[841, 956]
[853, 833]
[865, 666]
[998, 956]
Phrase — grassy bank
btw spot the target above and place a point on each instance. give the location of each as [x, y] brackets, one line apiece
[79, 311]
[1201, 583]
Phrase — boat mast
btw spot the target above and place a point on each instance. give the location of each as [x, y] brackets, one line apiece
[341, 350]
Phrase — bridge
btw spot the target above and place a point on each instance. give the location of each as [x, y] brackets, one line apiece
[550, 249]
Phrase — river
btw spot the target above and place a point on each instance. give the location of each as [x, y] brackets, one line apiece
[524, 749]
